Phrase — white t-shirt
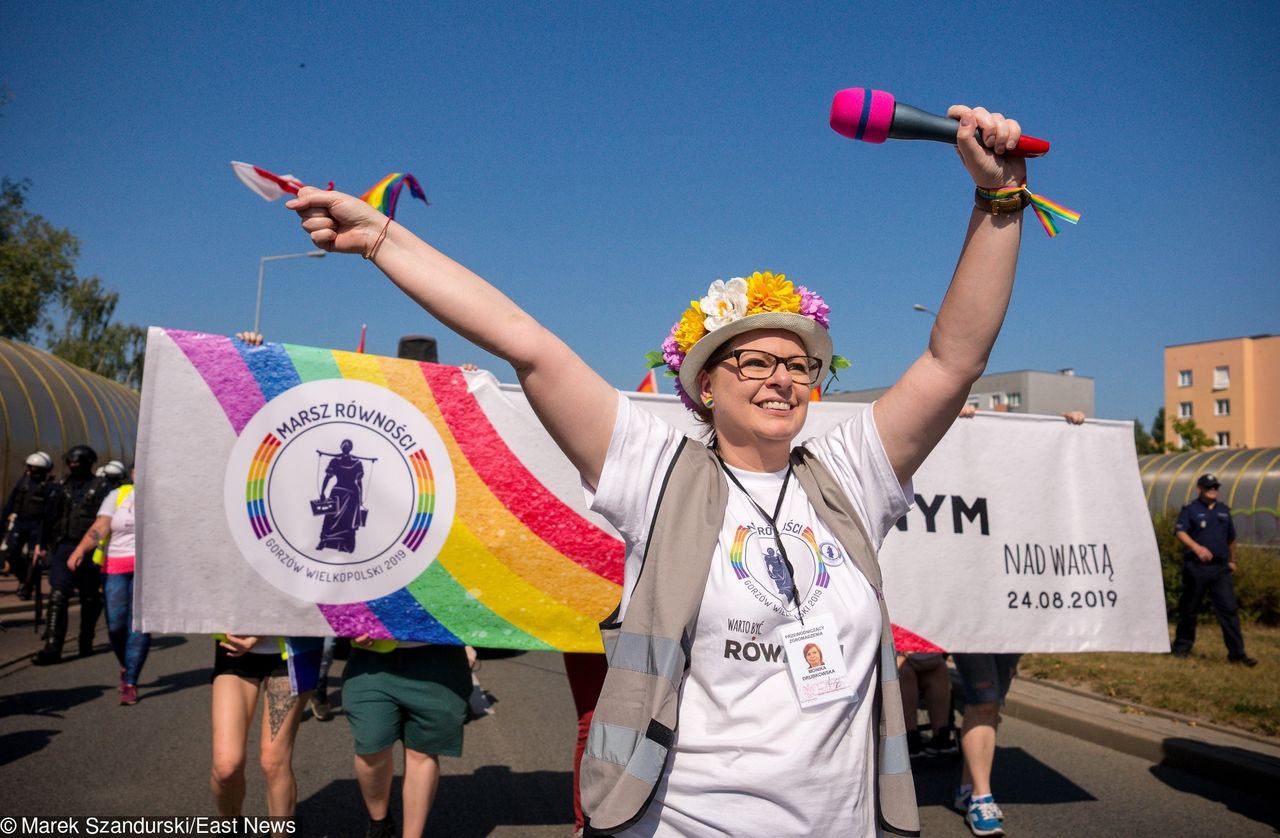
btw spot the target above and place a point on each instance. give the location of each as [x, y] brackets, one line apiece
[121, 543]
[747, 759]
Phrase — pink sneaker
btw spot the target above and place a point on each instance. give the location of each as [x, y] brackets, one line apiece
[128, 694]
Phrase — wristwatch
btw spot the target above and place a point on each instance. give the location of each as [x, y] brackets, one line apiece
[1003, 205]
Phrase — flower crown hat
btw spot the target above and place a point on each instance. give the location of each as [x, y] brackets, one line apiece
[743, 304]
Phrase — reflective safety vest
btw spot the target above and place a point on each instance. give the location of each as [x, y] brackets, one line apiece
[100, 552]
[634, 724]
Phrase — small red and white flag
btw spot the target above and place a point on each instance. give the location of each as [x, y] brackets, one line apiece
[268, 185]
[649, 384]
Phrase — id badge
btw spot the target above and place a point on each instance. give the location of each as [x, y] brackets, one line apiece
[816, 662]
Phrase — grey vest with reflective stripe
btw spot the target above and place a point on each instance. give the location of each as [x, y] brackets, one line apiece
[634, 723]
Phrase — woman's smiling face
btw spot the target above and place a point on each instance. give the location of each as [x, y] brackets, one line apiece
[752, 413]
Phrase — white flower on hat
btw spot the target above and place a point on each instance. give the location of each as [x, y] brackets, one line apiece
[725, 302]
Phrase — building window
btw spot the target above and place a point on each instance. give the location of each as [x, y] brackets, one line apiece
[973, 402]
[1015, 400]
[997, 399]
[1184, 410]
[1224, 439]
[1221, 378]
[1184, 378]
[1222, 407]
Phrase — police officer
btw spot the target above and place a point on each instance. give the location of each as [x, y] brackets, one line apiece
[1209, 560]
[72, 510]
[22, 518]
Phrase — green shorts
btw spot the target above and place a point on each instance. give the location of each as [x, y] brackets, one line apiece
[418, 695]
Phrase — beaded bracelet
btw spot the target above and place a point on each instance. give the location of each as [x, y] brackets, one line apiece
[1044, 208]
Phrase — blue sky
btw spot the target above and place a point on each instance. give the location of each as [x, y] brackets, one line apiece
[603, 162]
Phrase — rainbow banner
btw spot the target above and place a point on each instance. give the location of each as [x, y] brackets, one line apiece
[291, 490]
[428, 526]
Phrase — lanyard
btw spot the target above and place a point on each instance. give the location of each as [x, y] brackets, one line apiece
[773, 522]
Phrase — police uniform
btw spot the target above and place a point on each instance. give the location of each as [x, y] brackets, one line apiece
[26, 504]
[1213, 529]
[71, 510]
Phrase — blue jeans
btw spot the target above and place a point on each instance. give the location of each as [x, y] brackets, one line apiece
[130, 646]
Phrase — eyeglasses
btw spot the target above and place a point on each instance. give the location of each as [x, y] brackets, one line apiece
[758, 364]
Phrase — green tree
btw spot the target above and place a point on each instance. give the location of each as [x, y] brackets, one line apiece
[1195, 438]
[1142, 441]
[88, 338]
[37, 263]
[1157, 431]
[39, 286]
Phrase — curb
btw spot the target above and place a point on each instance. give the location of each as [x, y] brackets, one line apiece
[1227, 756]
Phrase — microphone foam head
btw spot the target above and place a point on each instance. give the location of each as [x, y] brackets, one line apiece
[862, 114]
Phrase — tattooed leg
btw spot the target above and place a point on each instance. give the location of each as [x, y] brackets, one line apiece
[281, 714]
[280, 703]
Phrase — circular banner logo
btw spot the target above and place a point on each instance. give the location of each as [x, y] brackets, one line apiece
[339, 491]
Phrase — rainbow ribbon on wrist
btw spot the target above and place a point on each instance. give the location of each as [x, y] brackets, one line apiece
[1045, 209]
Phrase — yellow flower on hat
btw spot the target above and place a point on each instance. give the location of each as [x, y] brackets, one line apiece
[691, 327]
[771, 292]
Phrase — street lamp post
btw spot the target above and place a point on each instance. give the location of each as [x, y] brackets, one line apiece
[262, 267]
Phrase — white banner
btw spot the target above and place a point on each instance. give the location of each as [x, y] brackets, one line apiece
[468, 525]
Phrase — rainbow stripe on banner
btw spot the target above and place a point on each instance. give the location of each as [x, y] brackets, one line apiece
[519, 568]
[426, 504]
[256, 484]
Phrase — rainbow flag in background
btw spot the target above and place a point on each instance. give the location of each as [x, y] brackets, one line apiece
[385, 194]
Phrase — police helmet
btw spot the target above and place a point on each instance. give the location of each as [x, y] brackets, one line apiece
[40, 460]
[80, 457]
[113, 469]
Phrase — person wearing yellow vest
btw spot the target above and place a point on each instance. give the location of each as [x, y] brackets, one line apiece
[111, 538]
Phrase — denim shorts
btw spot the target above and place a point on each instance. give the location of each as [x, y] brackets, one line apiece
[994, 672]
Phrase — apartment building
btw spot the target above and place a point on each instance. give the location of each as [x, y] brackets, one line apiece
[1230, 387]
[1022, 391]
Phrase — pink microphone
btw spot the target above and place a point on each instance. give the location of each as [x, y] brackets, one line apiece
[873, 116]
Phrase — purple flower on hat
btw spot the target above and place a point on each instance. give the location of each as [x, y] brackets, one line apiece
[813, 306]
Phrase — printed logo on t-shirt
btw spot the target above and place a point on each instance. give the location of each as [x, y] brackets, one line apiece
[757, 560]
[831, 554]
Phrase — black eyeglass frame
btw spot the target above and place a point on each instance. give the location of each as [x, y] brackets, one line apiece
[815, 365]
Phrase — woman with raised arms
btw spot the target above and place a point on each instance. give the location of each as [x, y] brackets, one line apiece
[747, 530]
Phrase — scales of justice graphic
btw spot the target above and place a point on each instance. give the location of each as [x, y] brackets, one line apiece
[343, 508]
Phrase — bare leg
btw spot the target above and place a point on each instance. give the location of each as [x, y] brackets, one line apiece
[910, 689]
[281, 714]
[978, 744]
[233, 701]
[936, 684]
[421, 777]
[374, 773]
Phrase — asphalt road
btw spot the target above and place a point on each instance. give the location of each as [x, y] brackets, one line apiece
[67, 748]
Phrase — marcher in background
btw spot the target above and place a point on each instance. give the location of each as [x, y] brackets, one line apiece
[22, 518]
[926, 673]
[1208, 536]
[72, 510]
[985, 679]
[246, 668]
[408, 692]
[114, 528]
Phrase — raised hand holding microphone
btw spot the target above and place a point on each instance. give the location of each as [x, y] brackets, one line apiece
[985, 156]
